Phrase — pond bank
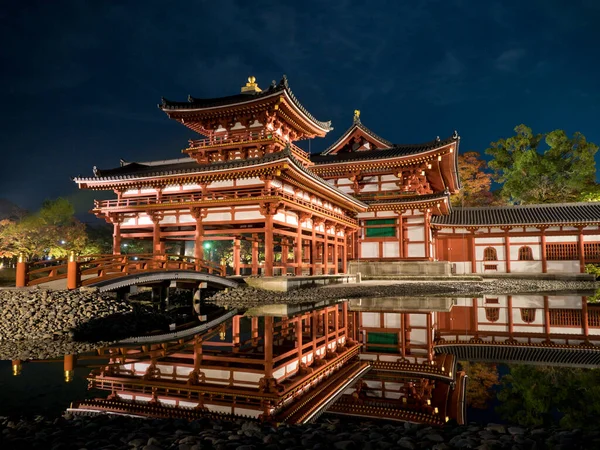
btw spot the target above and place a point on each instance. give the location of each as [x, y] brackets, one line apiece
[246, 297]
[119, 432]
[41, 323]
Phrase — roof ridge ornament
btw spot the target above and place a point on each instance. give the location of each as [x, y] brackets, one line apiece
[455, 135]
[357, 116]
[251, 86]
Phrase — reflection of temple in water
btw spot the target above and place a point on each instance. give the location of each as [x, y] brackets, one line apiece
[379, 358]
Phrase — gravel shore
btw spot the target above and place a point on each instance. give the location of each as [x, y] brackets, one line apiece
[117, 432]
[40, 323]
[246, 297]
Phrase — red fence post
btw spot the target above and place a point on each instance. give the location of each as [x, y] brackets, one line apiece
[21, 277]
[73, 274]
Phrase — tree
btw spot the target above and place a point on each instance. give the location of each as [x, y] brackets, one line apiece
[532, 174]
[482, 378]
[475, 181]
[546, 395]
[52, 231]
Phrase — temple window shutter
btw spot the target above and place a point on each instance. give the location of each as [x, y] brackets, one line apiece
[525, 254]
[489, 254]
[492, 314]
[528, 315]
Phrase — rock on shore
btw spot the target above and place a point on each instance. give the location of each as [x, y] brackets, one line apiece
[40, 323]
[249, 297]
[118, 432]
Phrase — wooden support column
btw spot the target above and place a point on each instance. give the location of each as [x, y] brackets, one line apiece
[235, 330]
[473, 252]
[199, 241]
[336, 323]
[336, 256]
[426, 218]
[345, 319]
[285, 249]
[581, 251]
[268, 344]
[507, 250]
[116, 237]
[299, 251]
[73, 273]
[268, 242]
[429, 336]
[401, 334]
[156, 244]
[585, 325]
[400, 234]
[475, 318]
[313, 249]
[69, 363]
[255, 254]
[236, 256]
[299, 342]
[326, 254]
[314, 331]
[543, 252]
[547, 317]
[254, 330]
[22, 276]
[509, 308]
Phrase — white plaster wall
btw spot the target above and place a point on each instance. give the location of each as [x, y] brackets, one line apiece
[169, 219]
[145, 220]
[131, 192]
[148, 191]
[496, 230]
[564, 301]
[221, 184]
[172, 188]
[386, 214]
[418, 337]
[391, 320]
[591, 238]
[489, 240]
[365, 215]
[525, 239]
[248, 181]
[415, 233]
[248, 215]
[370, 319]
[414, 220]
[389, 187]
[418, 320]
[190, 187]
[561, 238]
[279, 217]
[389, 178]
[186, 218]
[562, 266]
[369, 250]
[526, 266]
[218, 216]
[416, 250]
[528, 301]
[370, 188]
[390, 250]
[129, 221]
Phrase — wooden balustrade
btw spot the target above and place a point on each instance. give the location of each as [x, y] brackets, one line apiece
[89, 269]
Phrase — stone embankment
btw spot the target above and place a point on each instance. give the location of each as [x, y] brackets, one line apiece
[249, 297]
[118, 432]
[40, 324]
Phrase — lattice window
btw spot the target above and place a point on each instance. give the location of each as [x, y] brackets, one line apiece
[562, 252]
[525, 254]
[565, 317]
[594, 318]
[492, 300]
[490, 254]
[591, 251]
[528, 315]
[492, 314]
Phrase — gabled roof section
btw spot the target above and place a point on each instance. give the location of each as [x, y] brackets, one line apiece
[246, 98]
[357, 138]
[525, 215]
[395, 151]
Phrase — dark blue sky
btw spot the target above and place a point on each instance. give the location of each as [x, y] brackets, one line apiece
[81, 80]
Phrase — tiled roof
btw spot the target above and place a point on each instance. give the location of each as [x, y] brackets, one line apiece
[207, 103]
[392, 152]
[557, 213]
[137, 170]
[410, 198]
[356, 124]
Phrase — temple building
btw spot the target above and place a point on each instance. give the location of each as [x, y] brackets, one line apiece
[364, 204]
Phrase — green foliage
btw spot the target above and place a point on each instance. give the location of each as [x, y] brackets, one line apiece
[530, 174]
[52, 231]
[544, 395]
[482, 378]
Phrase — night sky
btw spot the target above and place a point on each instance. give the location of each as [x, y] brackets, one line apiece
[81, 79]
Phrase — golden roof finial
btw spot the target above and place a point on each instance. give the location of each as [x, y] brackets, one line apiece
[251, 86]
[356, 115]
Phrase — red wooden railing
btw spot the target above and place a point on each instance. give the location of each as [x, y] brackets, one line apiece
[89, 269]
[196, 197]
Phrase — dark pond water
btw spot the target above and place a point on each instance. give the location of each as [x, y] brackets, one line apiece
[523, 356]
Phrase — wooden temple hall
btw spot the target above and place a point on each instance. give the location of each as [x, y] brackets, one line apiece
[280, 209]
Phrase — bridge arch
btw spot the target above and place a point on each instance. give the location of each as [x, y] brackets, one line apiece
[141, 278]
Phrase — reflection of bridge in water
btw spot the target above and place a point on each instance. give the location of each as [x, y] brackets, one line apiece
[377, 358]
